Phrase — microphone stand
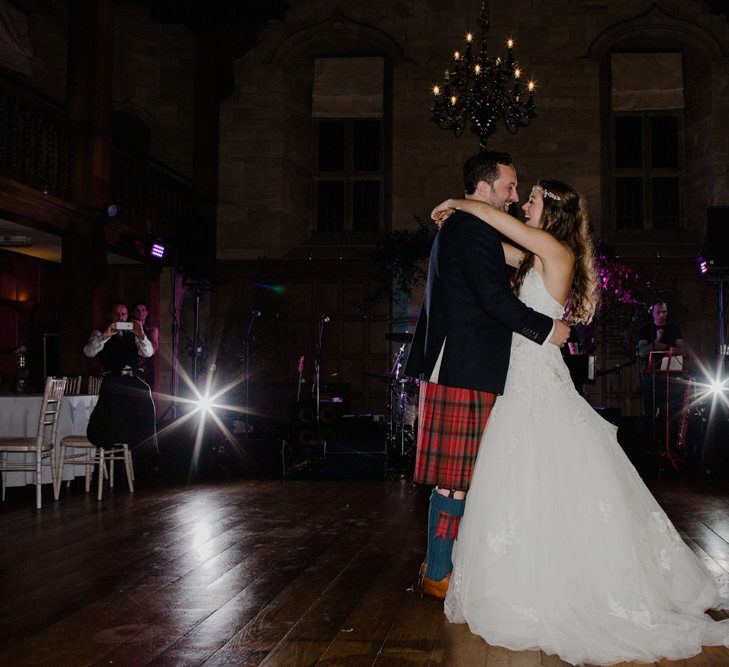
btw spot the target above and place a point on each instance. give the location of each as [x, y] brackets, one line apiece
[196, 347]
[316, 388]
[722, 328]
[300, 371]
[247, 368]
[173, 408]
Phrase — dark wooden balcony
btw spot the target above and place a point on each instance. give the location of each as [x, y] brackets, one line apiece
[39, 147]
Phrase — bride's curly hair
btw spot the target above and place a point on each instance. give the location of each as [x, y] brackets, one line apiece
[566, 219]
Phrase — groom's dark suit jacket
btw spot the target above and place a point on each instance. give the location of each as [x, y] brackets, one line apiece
[469, 303]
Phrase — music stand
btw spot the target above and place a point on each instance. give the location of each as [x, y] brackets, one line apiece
[667, 364]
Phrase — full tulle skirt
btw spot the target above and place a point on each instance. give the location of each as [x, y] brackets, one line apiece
[562, 547]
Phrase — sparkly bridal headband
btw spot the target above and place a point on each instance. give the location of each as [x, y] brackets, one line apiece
[547, 193]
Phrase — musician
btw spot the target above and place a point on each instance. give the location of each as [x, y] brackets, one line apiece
[658, 336]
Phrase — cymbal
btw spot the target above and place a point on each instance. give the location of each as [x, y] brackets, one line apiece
[387, 375]
[399, 336]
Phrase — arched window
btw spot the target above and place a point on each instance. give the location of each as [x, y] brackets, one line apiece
[349, 175]
[646, 147]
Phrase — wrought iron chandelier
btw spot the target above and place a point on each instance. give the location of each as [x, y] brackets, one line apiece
[483, 90]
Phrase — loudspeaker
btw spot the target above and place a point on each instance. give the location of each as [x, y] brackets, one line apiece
[360, 451]
[636, 438]
[331, 406]
[581, 368]
[612, 415]
[715, 451]
[717, 237]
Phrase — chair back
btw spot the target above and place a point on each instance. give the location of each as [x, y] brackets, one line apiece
[73, 386]
[50, 411]
[94, 384]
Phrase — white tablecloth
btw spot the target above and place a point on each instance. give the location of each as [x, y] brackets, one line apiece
[19, 417]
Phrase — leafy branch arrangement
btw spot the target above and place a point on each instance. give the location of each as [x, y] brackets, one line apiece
[626, 293]
[399, 264]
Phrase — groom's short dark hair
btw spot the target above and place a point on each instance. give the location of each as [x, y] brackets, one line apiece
[483, 167]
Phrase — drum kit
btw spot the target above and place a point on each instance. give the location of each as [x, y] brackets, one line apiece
[401, 408]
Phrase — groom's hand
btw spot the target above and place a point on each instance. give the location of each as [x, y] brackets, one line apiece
[561, 333]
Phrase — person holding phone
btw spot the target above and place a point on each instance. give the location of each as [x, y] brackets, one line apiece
[119, 345]
[125, 410]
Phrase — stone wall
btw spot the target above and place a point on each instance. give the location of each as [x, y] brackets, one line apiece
[267, 137]
[564, 44]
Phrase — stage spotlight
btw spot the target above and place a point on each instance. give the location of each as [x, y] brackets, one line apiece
[154, 247]
[112, 210]
[205, 404]
[717, 387]
[157, 250]
[703, 266]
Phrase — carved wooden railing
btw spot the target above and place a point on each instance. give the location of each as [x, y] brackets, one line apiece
[148, 193]
[38, 147]
[38, 143]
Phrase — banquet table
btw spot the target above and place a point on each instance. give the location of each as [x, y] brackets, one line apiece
[19, 418]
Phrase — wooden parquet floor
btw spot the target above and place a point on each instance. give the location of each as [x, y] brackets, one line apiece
[242, 573]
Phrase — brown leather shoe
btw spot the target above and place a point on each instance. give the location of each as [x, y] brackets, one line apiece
[432, 588]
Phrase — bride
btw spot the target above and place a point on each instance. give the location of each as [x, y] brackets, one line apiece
[562, 547]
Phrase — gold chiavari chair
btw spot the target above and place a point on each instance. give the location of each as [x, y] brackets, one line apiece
[41, 446]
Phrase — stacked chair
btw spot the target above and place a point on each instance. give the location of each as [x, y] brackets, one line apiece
[32, 454]
[93, 457]
[37, 451]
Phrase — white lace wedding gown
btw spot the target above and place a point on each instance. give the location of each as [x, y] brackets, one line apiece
[562, 547]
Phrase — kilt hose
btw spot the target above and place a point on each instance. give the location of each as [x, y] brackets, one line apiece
[451, 422]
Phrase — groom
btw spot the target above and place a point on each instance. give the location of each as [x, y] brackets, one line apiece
[461, 350]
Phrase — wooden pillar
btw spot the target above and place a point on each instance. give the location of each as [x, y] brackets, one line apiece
[89, 93]
[90, 52]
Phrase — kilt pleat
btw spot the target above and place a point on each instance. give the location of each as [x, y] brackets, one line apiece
[451, 421]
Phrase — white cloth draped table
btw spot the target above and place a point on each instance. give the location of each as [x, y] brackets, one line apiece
[19, 418]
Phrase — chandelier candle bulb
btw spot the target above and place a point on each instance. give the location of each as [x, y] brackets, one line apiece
[510, 53]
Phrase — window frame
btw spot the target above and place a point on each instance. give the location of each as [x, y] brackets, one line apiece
[349, 176]
[647, 172]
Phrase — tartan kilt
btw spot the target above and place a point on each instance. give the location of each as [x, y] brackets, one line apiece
[451, 421]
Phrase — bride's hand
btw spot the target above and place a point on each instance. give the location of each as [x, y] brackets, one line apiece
[441, 212]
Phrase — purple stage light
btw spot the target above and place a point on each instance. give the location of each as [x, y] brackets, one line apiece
[157, 250]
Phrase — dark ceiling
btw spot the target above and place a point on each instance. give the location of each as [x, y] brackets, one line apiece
[195, 13]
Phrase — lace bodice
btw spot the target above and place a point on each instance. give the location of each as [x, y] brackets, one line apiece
[535, 295]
